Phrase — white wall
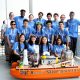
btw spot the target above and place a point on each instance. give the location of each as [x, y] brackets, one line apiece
[12, 6]
[59, 6]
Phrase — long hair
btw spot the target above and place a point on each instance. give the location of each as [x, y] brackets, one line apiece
[60, 39]
[37, 25]
[30, 39]
[25, 45]
[41, 45]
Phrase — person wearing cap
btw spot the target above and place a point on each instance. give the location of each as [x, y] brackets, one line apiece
[40, 19]
[39, 32]
[19, 19]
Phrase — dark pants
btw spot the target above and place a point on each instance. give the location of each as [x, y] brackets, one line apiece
[73, 44]
[15, 57]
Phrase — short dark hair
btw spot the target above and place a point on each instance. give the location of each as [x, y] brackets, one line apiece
[48, 21]
[61, 22]
[25, 20]
[72, 12]
[22, 10]
[49, 14]
[12, 22]
[40, 13]
[56, 14]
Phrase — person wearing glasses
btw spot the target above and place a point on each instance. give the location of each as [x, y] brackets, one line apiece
[10, 35]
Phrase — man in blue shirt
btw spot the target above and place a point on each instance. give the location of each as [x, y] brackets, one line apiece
[55, 22]
[49, 31]
[19, 19]
[11, 38]
[62, 18]
[31, 23]
[63, 33]
[40, 19]
[26, 30]
[72, 25]
[49, 16]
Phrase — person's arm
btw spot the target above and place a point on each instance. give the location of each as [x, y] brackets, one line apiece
[8, 41]
[15, 52]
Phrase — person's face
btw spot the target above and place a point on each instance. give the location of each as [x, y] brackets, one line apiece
[22, 38]
[56, 17]
[49, 25]
[49, 17]
[44, 40]
[62, 17]
[33, 39]
[71, 15]
[11, 16]
[61, 26]
[31, 17]
[39, 27]
[59, 41]
[13, 25]
[25, 24]
[40, 15]
[22, 13]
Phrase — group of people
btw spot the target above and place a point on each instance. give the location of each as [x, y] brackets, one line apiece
[20, 33]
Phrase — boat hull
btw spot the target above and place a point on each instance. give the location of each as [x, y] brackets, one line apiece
[45, 73]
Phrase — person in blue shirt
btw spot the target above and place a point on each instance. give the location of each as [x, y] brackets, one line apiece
[18, 48]
[49, 31]
[10, 38]
[72, 25]
[31, 44]
[31, 23]
[63, 33]
[55, 22]
[58, 48]
[39, 32]
[19, 19]
[62, 18]
[40, 19]
[49, 17]
[26, 30]
[11, 34]
[44, 46]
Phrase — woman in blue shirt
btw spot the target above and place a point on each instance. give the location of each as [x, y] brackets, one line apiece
[18, 48]
[58, 48]
[39, 32]
[44, 45]
[32, 44]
